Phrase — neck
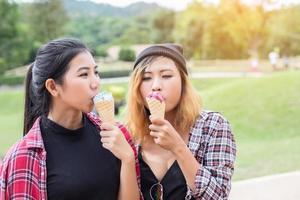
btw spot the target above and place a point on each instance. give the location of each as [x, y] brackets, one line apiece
[170, 116]
[66, 117]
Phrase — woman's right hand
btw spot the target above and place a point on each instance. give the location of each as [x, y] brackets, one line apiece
[113, 139]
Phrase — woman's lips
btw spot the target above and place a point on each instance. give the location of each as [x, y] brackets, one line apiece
[157, 96]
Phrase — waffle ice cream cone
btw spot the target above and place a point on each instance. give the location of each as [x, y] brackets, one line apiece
[104, 104]
[156, 105]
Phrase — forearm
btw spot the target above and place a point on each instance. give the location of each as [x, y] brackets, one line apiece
[188, 164]
[208, 187]
[128, 182]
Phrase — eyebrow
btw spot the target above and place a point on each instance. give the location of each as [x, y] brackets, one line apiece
[86, 68]
[163, 70]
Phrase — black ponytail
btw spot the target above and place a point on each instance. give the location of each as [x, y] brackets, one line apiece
[28, 120]
[52, 61]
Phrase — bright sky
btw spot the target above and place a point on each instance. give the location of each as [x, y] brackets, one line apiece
[181, 4]
[175, 4]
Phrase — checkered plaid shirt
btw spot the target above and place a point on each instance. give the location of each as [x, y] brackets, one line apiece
[212, 144]
[23, 171]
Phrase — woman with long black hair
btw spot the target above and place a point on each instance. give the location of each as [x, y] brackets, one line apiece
[62, 155]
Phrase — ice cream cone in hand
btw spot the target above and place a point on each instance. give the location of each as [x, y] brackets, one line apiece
[156, 105]
[104, 104]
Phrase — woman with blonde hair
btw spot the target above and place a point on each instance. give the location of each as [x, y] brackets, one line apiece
[187, 154]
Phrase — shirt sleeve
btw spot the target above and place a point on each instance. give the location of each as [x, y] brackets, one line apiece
[213, 178]
[2, 181]
[18, 177]
[131, 143]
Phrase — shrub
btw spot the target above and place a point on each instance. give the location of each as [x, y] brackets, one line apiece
[126, 54]
[2, 66]
[113, 74]
[101, 52]
[11, 80]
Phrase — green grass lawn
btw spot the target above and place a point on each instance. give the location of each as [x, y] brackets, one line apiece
[11, 118]
[265, 117]
[264, 114]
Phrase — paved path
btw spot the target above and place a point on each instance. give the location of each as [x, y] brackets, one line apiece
[275, 187]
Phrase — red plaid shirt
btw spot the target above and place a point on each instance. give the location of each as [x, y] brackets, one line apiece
[23, 173]
[212, 143]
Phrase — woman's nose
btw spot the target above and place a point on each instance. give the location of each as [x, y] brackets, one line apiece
[95, 82]
[156, 86]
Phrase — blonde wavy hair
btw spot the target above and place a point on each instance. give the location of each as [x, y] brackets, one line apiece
[137, 115]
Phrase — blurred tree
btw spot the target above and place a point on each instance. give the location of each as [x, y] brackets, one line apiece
[191, 29]
[245, 25]
[47, 19]
[162, 26]
[138, 31]
[98, 31]
[14, 43]
[284, 31]
[199, 29]
[230, 30]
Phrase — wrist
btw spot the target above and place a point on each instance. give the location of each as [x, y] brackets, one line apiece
[179, 149]
[128, 159]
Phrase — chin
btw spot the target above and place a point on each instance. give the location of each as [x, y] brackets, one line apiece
[87, 109]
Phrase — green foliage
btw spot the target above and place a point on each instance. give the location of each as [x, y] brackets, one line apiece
[229, 30]
[163, 25]
[2, 65]
[101, 52]
[118, 92]
[233, 30]
[98, 31]
[284, 29]
[13, 40]
[190, 30]
[11, 80]
[115, 73]
[126, 54]
[92, 9]
[47, 19]
[33, 50]
[137, 31]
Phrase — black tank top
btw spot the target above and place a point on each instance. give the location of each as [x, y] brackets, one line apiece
[173, 185]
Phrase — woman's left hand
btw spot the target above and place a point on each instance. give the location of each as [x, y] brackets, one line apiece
[165, 134]
[113, 139]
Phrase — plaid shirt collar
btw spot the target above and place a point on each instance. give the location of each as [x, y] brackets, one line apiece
[33, 138]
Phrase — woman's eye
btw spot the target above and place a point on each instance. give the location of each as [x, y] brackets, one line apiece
[83, 74]
[146, 78]
[167, 76]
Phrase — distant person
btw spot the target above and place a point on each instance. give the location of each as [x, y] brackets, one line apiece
[286, 62]
[184, 152]
[254, 64]
[273, 57]
[66, 152]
